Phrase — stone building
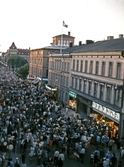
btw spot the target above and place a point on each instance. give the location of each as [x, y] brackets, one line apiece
[39, 58]
[96, 80]
[13, 50]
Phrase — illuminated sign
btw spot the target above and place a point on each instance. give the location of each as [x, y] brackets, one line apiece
[106, 111]
[72, 94]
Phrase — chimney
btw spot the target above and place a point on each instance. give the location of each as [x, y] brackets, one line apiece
[80, 43]
[70, 45]
[110, 37]
[69, 33]
[120, 35]
[89, 42]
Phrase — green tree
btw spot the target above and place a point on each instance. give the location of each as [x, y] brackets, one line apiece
[23, 71]
[16, 61]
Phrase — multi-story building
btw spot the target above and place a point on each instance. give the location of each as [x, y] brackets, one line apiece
[13, 50]
[97, 77]
[39, 58]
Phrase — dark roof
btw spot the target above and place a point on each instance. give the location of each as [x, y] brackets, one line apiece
[103, 46]
[71, 49]
[13, 46]
[55, 47]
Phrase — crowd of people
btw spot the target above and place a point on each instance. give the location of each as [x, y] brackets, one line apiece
[33, 125]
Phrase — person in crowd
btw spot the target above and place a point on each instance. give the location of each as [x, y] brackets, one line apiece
[31, 120]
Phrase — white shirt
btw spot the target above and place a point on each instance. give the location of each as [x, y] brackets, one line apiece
[56, 154]
[82, 151]
[61, 156]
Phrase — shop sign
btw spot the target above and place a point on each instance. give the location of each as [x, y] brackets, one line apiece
[92, 115]
[106, 111]
[45, 79]
[72, 94]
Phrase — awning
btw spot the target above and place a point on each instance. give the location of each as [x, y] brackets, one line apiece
[51, 88]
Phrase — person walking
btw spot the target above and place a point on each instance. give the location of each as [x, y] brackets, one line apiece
[56, 155]
[82, 154]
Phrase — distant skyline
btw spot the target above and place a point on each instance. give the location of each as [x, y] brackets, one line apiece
[33, 23]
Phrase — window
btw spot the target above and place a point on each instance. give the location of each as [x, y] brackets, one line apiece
[86, 66]
[76, 80]
[108, 94]
[72, 82]
[110, 69]
[77, 65]
[73, 64]
[117, 97]
[103, 69]
[118, 70]
[91, 67]
[95, 89]
[68, 67]
[85, 86]
[81, 66]
[101, 91]
[66, 81]
[58, 42]
[64, 66]
[80, 84]
[90, 87]
[97, 67]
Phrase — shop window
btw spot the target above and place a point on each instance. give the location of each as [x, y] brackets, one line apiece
[101, 91]
[103, 69]
[118, 71]
[108, 94]
[110, 69]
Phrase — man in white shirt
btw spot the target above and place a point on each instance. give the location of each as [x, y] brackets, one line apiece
[82, 154]
[61, 156]
[56, 155]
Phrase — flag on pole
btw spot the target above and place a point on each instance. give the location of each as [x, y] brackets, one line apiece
[65, 25]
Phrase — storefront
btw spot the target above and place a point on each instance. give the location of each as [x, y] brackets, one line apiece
[52, 92]
[72, 100]
[106, 116]
[45, 81]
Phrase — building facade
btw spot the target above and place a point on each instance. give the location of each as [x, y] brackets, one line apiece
[59, 75]
[13, 50]
[39, 58]
[97, 77]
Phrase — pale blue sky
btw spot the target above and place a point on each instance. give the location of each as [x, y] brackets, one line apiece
[33, 23]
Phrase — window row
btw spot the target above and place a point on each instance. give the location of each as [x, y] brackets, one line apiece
[98, 90]
[98, 68]
[59, 79]
[59, 65]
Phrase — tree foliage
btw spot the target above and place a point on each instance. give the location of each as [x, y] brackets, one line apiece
[16, 61]
[23, 71]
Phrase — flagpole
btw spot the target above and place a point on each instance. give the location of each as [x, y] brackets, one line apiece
[61, 40]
